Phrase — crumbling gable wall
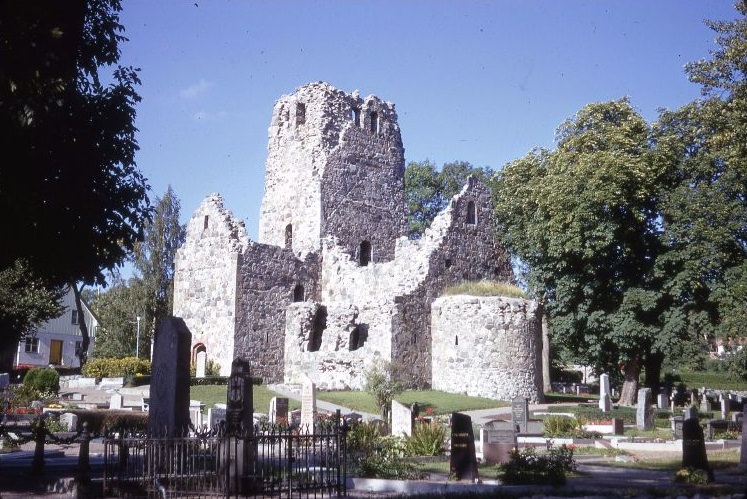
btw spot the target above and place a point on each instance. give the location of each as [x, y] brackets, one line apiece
[269, 280]
[205, 278]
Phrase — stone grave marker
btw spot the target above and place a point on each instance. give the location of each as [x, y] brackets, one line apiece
[662, 401]
[605, 402]
[694, 397]
[200, 361]
[724, 407]
[168, 414]
[689, 413]
[497, 444]
[216, 416]
[77, 396]
[402, 420]
[69, 421]
[308, 405]
[278, 413]
[115, 402]
[693, 447]
[240, 423]
[644, 415]
[4, 380]
[520, 413]
[463, 461]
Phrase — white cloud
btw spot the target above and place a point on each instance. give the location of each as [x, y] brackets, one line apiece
[193, 91]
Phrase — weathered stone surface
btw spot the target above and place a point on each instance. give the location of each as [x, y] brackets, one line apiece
[486, 347]
[333, 284]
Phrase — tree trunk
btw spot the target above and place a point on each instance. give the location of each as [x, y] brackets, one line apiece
[546, 381]
[653, 364]
[85, 340]
[632, 370]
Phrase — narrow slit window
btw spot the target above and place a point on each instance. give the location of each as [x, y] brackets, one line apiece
[205, 222]
[298, 293]
[289, 236]
[300, 113]
[364, 253]
[471, 215]
[355, 115]
[374, 122]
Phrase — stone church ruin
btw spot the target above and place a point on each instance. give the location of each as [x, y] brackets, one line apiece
[334, 283]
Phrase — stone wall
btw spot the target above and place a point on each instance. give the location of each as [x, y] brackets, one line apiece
[205, 279]
[335, 164]
[487, 347]
[269, 280]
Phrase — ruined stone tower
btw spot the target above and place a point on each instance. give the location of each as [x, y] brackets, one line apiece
[333, 283]
[335, 167]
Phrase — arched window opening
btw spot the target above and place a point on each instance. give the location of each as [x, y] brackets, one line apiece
[355, 115]
[374, 122]
[298, 293]
[471, 215]
[358, 337]
[364, 253]
[199, 347]
[317, 328]
[205, 222]
[289, 236]
[300, 113]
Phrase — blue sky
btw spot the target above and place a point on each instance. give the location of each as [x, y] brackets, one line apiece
[478, 81]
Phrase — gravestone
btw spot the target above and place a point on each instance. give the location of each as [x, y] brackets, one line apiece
[497, 444]
[402, 420]
[677, 422]
[279, 410]
[689, 413]
[644, 415]
[69, 421]
[694, 397]
[4, 380]
[605, 402]
[168, 414]
[115, 402]
[240, 426]
[724, 407]
[463, 461]
[662, 401]
[217, 417]
[693, 447]
[200, 361]
[520, 413]
[308, 405]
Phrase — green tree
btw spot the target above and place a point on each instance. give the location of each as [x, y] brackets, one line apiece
[381, 381]
[72, 195]
[25, 303]
[582, 218]
[429, 190]
[117, 309]
[154, 261]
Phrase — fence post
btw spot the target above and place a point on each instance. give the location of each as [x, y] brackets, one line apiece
[40, 434]
[83, 479]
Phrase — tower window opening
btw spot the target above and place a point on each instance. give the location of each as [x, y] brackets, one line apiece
[364, 253]
[471, 215]
[456, 340]
[289, 236]
[298, 293]
[355, 115]
[374, 122]
[205, 222]
[300, 113]
[317, 328]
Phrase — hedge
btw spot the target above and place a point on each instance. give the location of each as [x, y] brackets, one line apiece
[112, 368]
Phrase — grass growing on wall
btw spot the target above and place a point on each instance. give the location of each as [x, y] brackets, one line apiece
[486, 288]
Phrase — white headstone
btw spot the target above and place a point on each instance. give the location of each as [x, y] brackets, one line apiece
[308, 405]
[401, 420]
[604, 385]
[605, 403]
[662, 401]
[69, 421]
[115, 402]
[273, 409]
[201, 361]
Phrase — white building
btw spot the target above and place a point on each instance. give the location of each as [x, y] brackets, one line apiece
[56, 341]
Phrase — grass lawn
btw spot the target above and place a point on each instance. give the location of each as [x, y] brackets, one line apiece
[709, 379]
[428, 400]
[212, 394]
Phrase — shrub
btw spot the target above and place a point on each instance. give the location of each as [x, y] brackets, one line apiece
[560, 426]
[486, 288]
[427, 439]
[527, 467]
[105, 367]
[382, 383]
[691, 475]
[43, 379]
[374, 456]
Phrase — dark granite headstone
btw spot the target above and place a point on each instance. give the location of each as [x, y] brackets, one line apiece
[693, 447]
[520, 413]
[168, 414]
[463, 463]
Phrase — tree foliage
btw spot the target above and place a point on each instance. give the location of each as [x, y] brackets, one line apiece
[428, 190]
[71, 195]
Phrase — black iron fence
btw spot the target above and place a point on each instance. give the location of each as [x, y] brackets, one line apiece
[269, 460]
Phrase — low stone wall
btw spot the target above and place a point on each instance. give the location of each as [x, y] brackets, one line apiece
[486, 347]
